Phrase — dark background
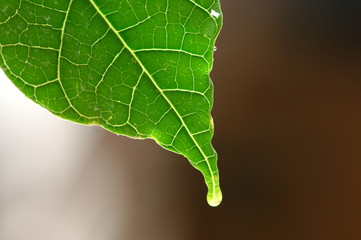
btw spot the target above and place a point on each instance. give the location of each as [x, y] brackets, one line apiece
[287, 112]
[287, 119]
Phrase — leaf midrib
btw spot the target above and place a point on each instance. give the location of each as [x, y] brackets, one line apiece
[160, 90]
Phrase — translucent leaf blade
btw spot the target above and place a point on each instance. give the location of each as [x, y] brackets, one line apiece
[136, 68]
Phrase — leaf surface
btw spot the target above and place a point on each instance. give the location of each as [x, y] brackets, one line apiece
[139, 68]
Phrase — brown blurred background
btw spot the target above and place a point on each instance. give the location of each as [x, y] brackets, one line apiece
[288, 133]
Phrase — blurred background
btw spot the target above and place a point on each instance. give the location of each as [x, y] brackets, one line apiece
[288, 133]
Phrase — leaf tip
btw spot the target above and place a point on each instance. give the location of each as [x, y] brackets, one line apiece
[214, 198]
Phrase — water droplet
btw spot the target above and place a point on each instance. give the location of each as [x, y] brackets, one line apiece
[215, 14]
[215, 48]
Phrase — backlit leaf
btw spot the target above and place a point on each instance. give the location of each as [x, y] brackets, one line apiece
[139, 68]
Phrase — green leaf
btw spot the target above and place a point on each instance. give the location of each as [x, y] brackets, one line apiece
[139, 68]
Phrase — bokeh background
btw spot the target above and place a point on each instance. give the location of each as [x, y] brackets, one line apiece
[288, 133]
